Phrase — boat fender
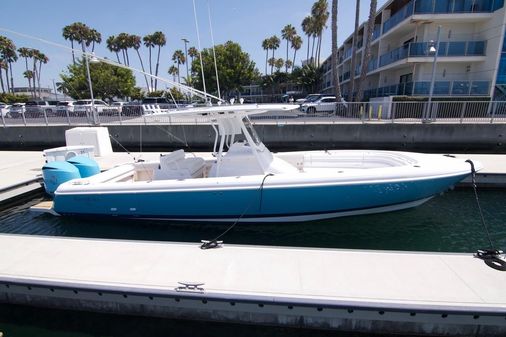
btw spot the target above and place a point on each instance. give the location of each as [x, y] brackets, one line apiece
[87, 167]
[56, 173]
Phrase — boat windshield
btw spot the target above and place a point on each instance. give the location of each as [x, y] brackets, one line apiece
[251, 130]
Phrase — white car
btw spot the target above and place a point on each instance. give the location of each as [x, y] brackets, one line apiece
[82, 107]
[4, 109]
[17, 110]
[322, 104]
[62, 107]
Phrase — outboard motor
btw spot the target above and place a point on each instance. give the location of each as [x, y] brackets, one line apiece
[87, 167]
[56, 173]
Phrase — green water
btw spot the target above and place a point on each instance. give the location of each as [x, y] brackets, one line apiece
[447, 223]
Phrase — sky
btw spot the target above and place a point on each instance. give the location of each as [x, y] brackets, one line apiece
[247, 22]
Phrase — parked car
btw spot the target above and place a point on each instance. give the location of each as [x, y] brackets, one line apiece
[4, 109]
[64, 107]
[83, 107]
[133, 108]
[36, 109]
[17, 110]
[309, 98]
[322, 104]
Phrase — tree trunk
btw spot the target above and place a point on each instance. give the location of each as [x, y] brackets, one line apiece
[335, 75]
[7, 77]
[38, 78]
[151, 70]
[312, 51]
[117, 57]
[142, 66]
[73, 55]
[319, 49]
[294, 55]
[367, 49]
[124, 57]
[29, 79]
[286, 65]
[178, 75]
[308, 43]
[2, 81]
[266, 60]
[156, 68]
[12, 78]
[127, 58]
[34, 78]
[354, 51]
[272, 65]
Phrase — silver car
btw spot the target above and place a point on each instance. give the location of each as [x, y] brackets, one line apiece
[17, 110]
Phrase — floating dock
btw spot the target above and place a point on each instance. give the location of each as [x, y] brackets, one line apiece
[345, 290]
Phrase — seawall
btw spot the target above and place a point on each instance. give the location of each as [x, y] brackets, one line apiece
[455, 138]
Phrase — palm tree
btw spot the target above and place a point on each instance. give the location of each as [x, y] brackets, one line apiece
[9, 55]
[272, 63]
[28, 74]
[179, 58]
[149, 43]
[335, 75]
[123, 42]
[288, 64]
[135, 41]
[173, 70]
[287, 34]
[266, 46]
[321, 16]
[367, 49]
[94, 37]
[274, 44]
[26, 53]
[279, 64]
[160, 41]
[69, 34]
[192, 52]
[296, 45]
[307, 28]
[42, 59]
[112, 45]
[354, 50]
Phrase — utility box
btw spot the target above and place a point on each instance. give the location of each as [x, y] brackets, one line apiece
[98, 137]
[66, 152]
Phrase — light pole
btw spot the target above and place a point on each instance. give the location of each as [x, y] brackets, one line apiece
[87, 61]
[55, 94]
[433, 49]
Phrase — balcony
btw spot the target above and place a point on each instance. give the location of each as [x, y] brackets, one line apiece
[446, 49]
[441, 88]
[398, 17]
[457, 6]
[441, 7]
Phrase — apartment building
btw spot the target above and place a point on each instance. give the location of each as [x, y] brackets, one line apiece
[471, 52]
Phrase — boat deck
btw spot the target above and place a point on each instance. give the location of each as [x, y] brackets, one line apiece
[100, 275]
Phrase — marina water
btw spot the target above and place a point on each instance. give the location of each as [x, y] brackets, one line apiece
[447, 223]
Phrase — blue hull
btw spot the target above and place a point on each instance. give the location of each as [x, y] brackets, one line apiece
[254, 204]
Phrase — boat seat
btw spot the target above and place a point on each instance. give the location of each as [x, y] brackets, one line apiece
[184, 168]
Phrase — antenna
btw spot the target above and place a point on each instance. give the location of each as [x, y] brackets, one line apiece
[200, 49]
[214, 50]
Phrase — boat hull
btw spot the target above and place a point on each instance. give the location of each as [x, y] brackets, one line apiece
[260, 204]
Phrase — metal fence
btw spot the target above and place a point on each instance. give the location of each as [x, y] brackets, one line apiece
[456, 112]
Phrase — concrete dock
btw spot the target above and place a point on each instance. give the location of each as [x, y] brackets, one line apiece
[373, 291]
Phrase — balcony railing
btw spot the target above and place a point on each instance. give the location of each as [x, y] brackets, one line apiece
[441, 7]
[441, 88]
[446, 49]
[398, 17]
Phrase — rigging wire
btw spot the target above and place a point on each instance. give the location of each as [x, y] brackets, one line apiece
[200, 49]
[214, 50]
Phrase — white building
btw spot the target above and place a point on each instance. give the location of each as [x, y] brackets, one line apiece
[471, 58]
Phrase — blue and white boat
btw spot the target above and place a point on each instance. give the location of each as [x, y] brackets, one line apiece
[244, 181]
